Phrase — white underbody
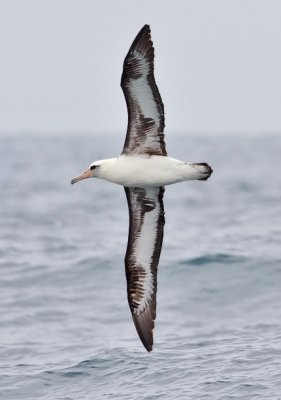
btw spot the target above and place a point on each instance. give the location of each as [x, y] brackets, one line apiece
[145, 171]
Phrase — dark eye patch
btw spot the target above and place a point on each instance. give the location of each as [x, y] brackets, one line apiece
[93, 167]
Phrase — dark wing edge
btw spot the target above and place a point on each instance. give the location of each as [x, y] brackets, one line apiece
[146, 228]
[139, 65]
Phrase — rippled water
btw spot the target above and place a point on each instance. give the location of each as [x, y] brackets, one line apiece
[65, 326]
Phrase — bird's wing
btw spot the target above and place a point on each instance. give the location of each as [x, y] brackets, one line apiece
[146, 212]
[145, 108]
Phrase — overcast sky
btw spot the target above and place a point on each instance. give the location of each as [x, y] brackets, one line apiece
[218, 63]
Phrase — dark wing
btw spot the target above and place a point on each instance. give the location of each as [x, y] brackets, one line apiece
[146, 230]
[145, 108]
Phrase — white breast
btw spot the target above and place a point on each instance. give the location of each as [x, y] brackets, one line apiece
[139, 171]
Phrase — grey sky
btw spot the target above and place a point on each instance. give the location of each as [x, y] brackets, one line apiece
[218, 63]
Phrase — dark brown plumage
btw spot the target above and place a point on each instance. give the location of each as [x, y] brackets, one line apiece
[145, 130]
[144, 203]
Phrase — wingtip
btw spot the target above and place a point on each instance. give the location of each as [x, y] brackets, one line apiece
[144, 325]
[146, 27]
[148, 346]
[145, 30]
[144, 36]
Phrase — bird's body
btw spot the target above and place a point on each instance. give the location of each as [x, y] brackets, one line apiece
[144, 168]
[148, 171]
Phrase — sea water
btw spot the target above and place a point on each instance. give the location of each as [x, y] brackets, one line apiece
[65, 327]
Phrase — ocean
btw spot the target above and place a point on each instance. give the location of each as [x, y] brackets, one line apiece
[65, 327]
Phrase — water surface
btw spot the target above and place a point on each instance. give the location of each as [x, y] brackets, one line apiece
[65, 326]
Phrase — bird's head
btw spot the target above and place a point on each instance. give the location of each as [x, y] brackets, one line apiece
[91, 172]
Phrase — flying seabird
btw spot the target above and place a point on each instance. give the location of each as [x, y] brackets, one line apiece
[144, 169]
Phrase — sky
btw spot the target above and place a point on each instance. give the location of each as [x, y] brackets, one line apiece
[217, 65]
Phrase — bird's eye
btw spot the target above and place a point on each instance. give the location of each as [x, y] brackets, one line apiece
[93, 167]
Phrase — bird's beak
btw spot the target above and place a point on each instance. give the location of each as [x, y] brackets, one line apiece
[84, 175]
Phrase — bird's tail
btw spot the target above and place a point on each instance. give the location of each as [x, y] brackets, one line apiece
[204, 171]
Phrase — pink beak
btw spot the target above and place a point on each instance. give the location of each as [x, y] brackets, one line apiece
[84, 175]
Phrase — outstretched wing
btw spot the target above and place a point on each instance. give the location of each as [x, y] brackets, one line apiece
[146, 212]
[145, 108]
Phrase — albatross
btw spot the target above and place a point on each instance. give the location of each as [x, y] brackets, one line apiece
[144, 169]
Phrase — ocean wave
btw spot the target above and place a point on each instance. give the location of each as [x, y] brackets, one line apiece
[218, 258]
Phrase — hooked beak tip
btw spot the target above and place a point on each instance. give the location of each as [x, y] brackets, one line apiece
[84, 175]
